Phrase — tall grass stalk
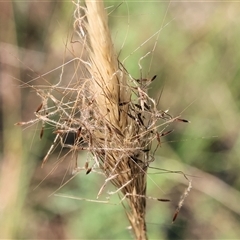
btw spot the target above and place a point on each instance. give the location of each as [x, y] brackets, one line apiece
[117, 138]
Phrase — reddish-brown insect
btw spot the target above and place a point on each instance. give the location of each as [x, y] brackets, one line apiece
[175, 215]
[41, 132]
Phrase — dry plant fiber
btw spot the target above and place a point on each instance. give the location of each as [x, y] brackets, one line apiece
[110, 113]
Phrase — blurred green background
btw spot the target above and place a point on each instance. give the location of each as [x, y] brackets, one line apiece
[197, 63]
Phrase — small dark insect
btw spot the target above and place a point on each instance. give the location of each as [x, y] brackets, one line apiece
[175, 215]
[149, 197]
[39, 108]
[88, 171]
[163, 200]
[153, 77]
[41, 132]
[182, 120]
[145, 150]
